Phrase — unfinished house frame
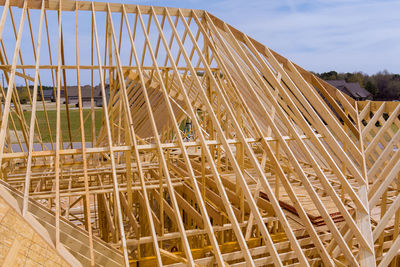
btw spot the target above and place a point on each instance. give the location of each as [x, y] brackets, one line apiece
[209, 149]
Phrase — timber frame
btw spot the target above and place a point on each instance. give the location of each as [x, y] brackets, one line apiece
[212, 149]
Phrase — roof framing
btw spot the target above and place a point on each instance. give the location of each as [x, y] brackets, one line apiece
[209, 147]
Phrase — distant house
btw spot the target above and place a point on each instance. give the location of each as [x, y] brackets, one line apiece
[47, 95]
[86, 91]
[53, 97]
[72, 92]
[353, 90]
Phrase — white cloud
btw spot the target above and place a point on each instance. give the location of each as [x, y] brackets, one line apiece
[322, 35]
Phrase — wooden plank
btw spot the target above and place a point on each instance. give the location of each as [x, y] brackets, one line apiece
[87, 202]
[33, 116]
[112, 157]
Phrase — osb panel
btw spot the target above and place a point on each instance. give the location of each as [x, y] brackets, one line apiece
[20, 245]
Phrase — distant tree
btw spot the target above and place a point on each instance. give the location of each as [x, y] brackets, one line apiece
[23, 95]
[331, 75]
[394, 88]
[371, 87]
[44, 87]
[382, 85]
[382, 82]
[355, 77]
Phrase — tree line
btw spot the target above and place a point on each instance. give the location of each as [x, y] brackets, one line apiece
[23, 94]
[382, 85]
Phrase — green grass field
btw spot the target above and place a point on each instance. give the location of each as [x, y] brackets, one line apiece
[74, 123]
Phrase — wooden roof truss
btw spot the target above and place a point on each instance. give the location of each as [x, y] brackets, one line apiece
[211, 147]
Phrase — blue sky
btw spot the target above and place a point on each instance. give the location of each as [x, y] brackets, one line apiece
[321, 35]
